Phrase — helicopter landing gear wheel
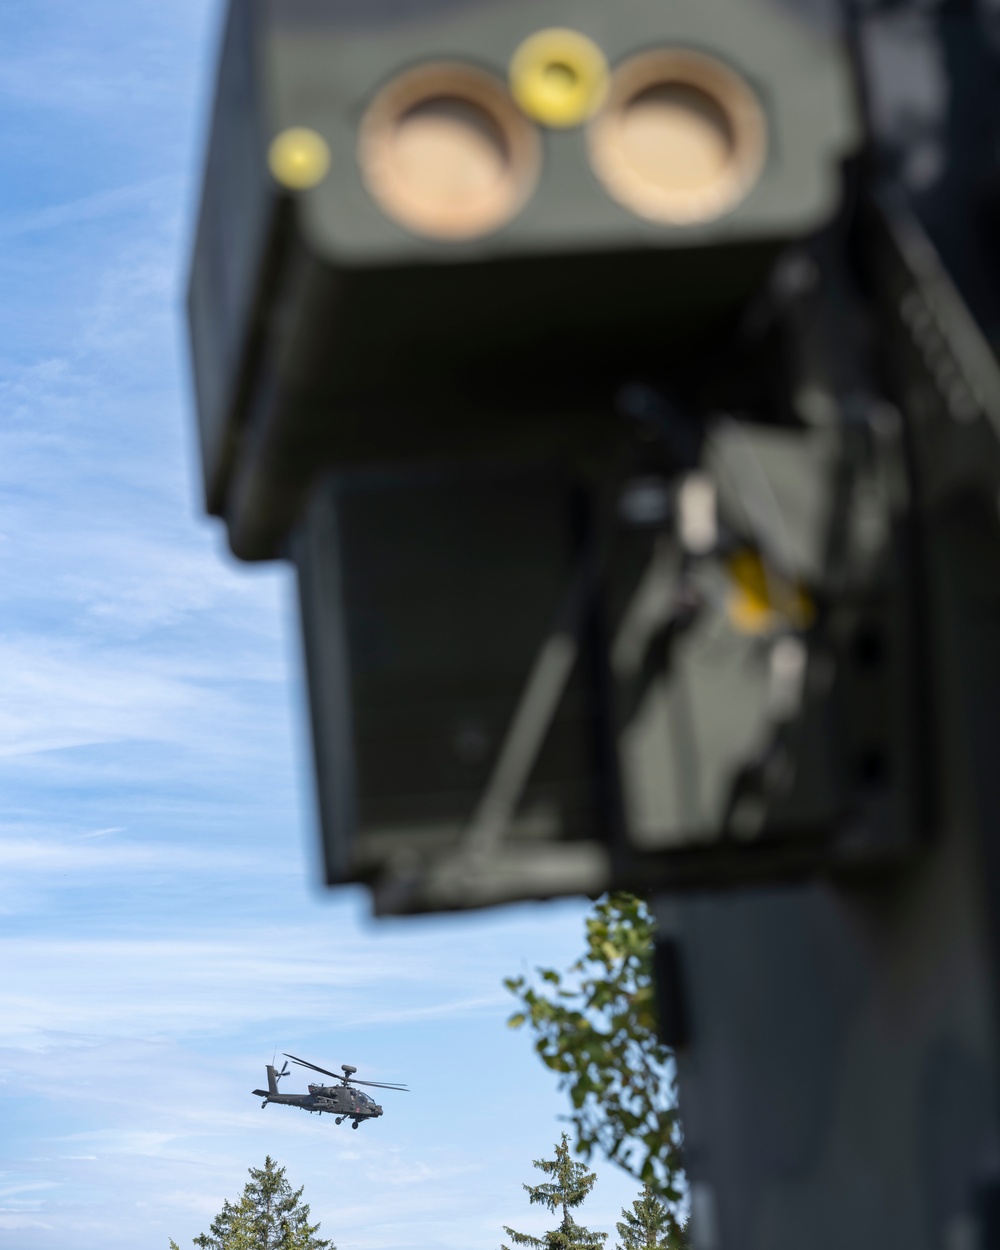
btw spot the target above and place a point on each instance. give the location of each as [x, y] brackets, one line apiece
[355, 1124]
[339, 1120]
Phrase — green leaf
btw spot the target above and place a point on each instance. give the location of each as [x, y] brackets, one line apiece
[596, 1028]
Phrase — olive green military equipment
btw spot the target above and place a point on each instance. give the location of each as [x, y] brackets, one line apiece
[446, 229]
[456, 736]
[638, 451]
[522, 687]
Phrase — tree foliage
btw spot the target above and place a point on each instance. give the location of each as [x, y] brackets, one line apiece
[650, 1225]
[269, 1216]
[571, 1183]
[596, 1027]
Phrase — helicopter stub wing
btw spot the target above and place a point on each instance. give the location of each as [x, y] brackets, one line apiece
[286, 1100]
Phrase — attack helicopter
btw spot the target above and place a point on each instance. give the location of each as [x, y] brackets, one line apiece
[343, 1100]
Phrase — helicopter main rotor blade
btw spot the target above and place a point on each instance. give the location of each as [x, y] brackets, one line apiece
[376, 1084]
[337, 1076]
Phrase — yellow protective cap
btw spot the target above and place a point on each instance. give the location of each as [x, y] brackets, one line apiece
[760, 600]
[299, 158]
[559, 77]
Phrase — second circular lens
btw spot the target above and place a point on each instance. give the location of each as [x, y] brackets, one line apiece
[681, 140]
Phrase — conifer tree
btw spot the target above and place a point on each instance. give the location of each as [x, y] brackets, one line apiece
[269, 1216]
[650, 1225]
[571, 1183]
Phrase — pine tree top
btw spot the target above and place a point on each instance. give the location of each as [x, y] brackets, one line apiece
[650, 1225]
[269, 1216]
[571, 1183]
[568, 1236]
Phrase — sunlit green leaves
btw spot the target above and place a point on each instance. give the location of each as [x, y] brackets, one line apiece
[595, 1026]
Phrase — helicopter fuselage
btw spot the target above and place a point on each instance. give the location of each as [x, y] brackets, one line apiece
[343, 1100]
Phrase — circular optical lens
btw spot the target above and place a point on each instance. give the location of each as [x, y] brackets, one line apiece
[682, 139]
[445, 153]
[676, 138]
[450, 150]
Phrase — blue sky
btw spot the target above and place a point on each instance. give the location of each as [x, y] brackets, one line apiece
[161, 924]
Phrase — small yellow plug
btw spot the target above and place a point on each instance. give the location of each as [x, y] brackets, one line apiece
[299, 158]
[559, 77]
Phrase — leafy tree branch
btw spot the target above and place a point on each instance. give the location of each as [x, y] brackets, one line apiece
[596, 1027]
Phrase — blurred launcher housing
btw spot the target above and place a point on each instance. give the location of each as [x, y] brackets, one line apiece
[495, 331]
[639, 457]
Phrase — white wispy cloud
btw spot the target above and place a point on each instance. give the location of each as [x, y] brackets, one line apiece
[11, 1196]
[59, 696]
[171, 987]
[104, 62]
[14, 1222]
[157, 933]
[29, 856]
[150, 194]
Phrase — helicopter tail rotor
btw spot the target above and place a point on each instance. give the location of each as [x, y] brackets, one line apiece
[273, 1077]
